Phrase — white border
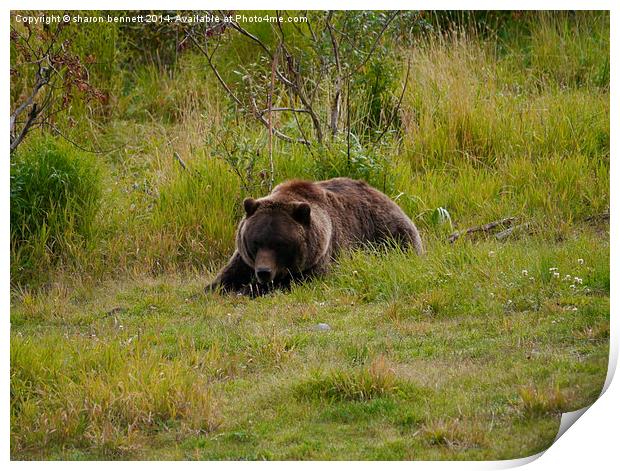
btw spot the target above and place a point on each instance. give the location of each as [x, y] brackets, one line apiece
[318, 5]
[591, 443]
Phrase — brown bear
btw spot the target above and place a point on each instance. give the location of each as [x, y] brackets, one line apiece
[297, 231]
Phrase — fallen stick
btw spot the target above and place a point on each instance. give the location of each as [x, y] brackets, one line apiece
[484, 228]
[178, 158]
[604, 216]
[183, 165]
[511, 230]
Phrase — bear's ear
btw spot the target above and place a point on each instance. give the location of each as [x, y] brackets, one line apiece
[250, 205]
[301, 213]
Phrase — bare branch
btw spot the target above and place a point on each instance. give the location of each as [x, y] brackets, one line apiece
[43, 78]
[512, 230]
[299, 126]
[294, 85]
[31, 117]
[262, 45]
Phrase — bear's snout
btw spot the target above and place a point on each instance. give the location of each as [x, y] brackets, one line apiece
[265, 266]
[263, 274]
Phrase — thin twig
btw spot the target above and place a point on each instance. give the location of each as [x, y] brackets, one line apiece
[348, 125]
[270, 114]
[275, 110]
[398, 105]
[314, 38]
[40, 83]
[374, 46]
[335, 111]
[71, 141]
[264, 47]
[299, 126]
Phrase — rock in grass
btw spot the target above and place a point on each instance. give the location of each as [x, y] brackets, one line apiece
[322, 327]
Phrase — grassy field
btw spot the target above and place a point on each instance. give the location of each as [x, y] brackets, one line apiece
[469, 352]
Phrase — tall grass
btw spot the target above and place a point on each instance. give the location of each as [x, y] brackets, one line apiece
[107, 395]
[196, 214]
[469, 103]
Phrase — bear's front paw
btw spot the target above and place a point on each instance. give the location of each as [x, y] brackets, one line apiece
[212, 287]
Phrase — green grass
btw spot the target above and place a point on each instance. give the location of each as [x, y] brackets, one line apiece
[436, 360]
[470, 352]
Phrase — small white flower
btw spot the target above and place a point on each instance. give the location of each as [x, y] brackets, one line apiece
[568, 278]
[572, 286]
[580, 261]
[578, 280]
[531, 278]
[553, 269]
[524, 272]
[556, 274]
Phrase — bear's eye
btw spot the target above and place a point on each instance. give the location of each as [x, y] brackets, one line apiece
[252, 248]
[282, 246]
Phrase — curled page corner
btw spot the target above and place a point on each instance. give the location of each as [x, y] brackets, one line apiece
[566, 421]
[568, 418]
[517, 462]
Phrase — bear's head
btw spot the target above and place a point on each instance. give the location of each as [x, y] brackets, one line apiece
[275, 237]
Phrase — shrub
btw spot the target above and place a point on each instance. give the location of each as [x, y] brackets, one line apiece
[354, 160]
[55, 194]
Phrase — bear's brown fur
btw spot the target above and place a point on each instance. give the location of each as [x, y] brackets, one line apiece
[298, 229]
